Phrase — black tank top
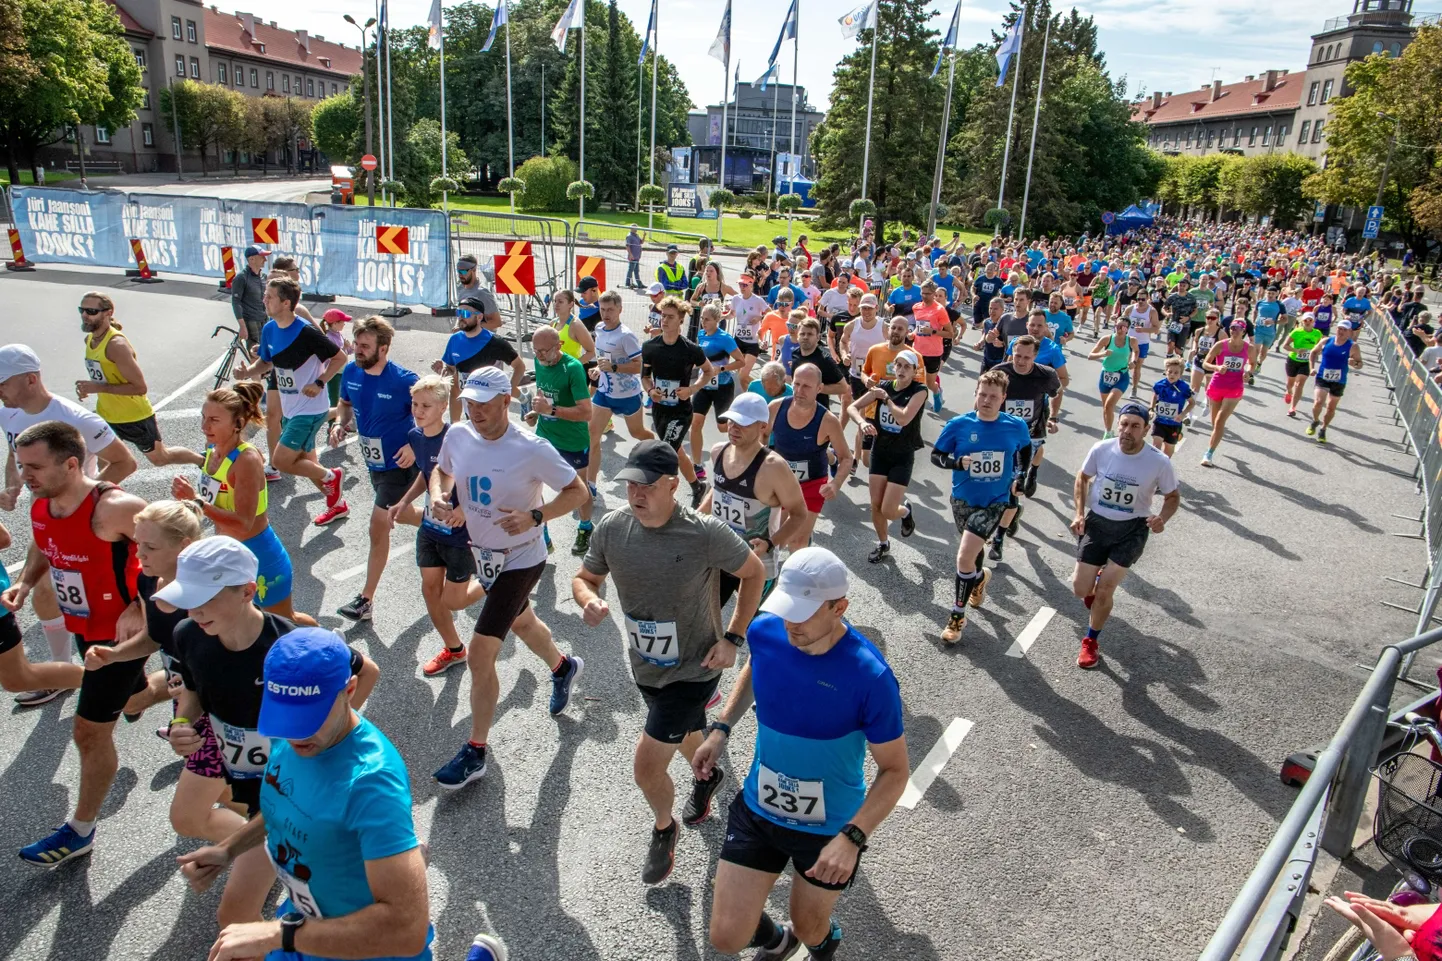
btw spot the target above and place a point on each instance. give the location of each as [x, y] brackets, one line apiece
[891, 436]
[799, 445]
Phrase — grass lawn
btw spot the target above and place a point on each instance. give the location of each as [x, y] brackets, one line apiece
[52, 177]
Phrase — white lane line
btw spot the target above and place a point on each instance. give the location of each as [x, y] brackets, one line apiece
[179, 413]
[11, 569]
[934, 761]
[209, 371]
[1031, 632]
[350, 572]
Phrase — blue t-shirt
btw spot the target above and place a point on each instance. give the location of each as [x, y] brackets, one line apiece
[326, 816]
[815, 714]
[945, 282]
[1357, 305]
[461, 348]
[1060, 324]
[427, 450]
[1171, 400]
[798, 297]
[904, 299]
[718, 348]
[992, 446]
[382, 405]
[1267, 312]
[1034, 257]
[755, 388]
[588, 314]
[990, 355]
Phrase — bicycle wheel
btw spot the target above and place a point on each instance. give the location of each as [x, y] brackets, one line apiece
[1352, 946]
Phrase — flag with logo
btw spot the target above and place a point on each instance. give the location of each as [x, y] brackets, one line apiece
[1009, 48]
[861, 18]
[433, 26]
[570, 20]
[949, 41]
[721, 48]
[500, 19]
[649, 39]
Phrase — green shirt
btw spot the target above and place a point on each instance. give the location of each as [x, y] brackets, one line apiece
[564, 384]
[1175, 277]
[1301, 341]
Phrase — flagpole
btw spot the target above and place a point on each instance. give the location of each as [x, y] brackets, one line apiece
[1011, 116]
[870, 97]
[390, 118]
[655, 69]
[640, 115]
[795, 73]
[1035, 118]
[725, 100]
[941, 149]
[380, 100]
[441, 32]
[510, 130]
[583, 107]
[771, 174]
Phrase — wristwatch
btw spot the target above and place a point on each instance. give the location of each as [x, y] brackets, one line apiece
[855, 835]
[538, 517]
[717, 726]
[290, 923]
[319, 382]
[738, 639]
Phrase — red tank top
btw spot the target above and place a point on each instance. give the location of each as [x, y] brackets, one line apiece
[94, 579]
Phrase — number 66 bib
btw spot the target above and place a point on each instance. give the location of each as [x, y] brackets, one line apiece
[789, 798]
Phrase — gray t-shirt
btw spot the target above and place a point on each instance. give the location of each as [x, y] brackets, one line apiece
[1011, 326]
[667, 587]
[476, 290]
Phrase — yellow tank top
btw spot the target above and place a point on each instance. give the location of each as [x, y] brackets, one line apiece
[568, 343]
[113, 408]
[216, 492]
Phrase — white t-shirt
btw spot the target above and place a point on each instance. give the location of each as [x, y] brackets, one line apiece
[506, 473]
[1123, 485]
[93, 429]
[862, 340]
[748, 312]
[1430, 357]
[834, 299]
[620, 346]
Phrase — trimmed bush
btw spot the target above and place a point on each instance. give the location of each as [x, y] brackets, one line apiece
[545, 179]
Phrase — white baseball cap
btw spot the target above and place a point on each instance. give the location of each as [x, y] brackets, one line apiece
[17, 359]
[205, 568]
[748, 409]
[809, 578]
[486, 383]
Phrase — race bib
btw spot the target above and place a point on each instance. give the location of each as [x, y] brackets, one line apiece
[655, 642]
[430, 521]
[668, 389]
[1168, 411]
[1233, 363]
[1019, 408]
[986, 464]
[1204, 344]
[285, 379]
[1051, 331]
[92, 369]
[734, 511]
[243, 751]
[297, 890]
[789, 798]
[1112, 377]
[713, 383]
[489, 565]
[1175, 326]
[886, 418]
[800, 468]
[1332, 375]
[372, 452]
[552, 398]
[1118, 495]
[70, 591]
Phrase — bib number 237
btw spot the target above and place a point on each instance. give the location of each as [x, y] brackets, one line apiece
[791, 798]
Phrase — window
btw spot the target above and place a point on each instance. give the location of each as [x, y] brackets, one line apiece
[190, 31]
[1281, 134]
[175, 28]
[1312, 92]
[333, 90]
[147, 134]
[1377, 47]
[195, 67]
[146, 104]
[1329, 52]
[220, 74]
[1306, 129]
[310, 86]
[285, 82]
[102, 134]
[1210, 134]
[1189, 138]
[297, 86]
[1252, 140]
[254, 78]
[140, 58]
[1267, 135]
[1317, 131]
[1397, 49]
[270, 80]
[1326, 90]
[179, 65]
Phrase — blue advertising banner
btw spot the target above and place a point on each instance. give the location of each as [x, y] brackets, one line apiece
[353, 267]
[72, 226]
[297, 235]
[169, 229]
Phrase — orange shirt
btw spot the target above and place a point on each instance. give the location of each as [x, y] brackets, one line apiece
[774, 323]
[936, 318]
[877, 365]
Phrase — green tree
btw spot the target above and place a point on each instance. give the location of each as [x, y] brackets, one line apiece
[420, 162]
[613, 149]
[65, 62]
[1266, 185]
[210, 116]
[546, 179]
[338, 124]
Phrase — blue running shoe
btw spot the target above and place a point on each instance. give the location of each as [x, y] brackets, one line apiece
[58, 848]
[561, 686]
[468, 765]
[936, 402]
[486, 948]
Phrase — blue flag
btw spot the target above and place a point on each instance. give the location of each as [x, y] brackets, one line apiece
[497, 21]
[649, 39]
[788, 32]
[767, 78]
[949, 41]
[1009, 48]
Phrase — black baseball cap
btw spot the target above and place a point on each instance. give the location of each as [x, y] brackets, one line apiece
[475, 303]
[587, 283]
[649, 461]
[1136, 410]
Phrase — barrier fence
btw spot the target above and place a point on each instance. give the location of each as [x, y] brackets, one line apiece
[333, 245]
[594, 238]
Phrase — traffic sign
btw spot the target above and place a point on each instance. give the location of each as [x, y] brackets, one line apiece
[1371, 228]
[591, 267]
[1375, 212]
[263, 230]
[1109, 218]
[392, 240]
[1319, 213]
[515, 274]
[368, 162]
[517, 248]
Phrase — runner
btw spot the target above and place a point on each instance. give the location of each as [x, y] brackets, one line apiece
[992, 343]
[84, 538]
[747, 311]
[577, 339]
[930, 325]
[1033, 394]
[807, 436]
[711, 288]
[1118, 352]
[1143, 321]
[1207, 336]
[375, 401]
[715, 396]
[808, 350]
[1059, 323]
[1225, 362]
[475, 345]
[1113, 495]
[857, 339]
[335, 821]
[672, 370]
[618, 382]
[1264, 330]
[1299, 344]
[888, 413]
[233, 493]
[587, 308]
[1172, 400]
[673, 631]
[1180, 306]
[497, 472]
[17, 673]
[116, 380]
[561, 414]
[303, 360]
[819, 688]
[984, 289]
[1332, 359]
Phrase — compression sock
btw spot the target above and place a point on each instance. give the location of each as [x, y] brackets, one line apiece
[767, 935]
[584, 525]
[999, 535]
[59, 639]
[827, 948]
[964, 585]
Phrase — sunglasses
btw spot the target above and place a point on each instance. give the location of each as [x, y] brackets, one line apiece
[465, 312]
[91, 311]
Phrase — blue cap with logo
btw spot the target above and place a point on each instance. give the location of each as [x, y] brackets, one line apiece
[304, 671]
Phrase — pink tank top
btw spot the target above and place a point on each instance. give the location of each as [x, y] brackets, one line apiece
[1233, 364]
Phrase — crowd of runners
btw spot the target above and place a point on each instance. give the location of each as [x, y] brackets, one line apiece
[815, 369]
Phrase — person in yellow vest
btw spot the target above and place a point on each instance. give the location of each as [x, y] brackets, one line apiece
[672, 275]
[115, 378]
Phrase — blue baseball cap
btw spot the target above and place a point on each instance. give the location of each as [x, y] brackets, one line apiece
[304, 671]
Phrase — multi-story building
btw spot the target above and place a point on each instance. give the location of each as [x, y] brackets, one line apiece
[752, 117]
[184, 40]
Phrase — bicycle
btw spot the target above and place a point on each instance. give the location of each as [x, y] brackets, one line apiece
[237, 343]
[1407, 828]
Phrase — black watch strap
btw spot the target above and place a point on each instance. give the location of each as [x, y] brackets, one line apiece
[738, 639]
[855, 835]
[290, 923]
[721, 726]
[538, 517]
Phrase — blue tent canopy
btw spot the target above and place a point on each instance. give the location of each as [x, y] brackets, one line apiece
[1133, 218]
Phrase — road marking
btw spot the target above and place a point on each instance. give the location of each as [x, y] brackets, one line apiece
[934, 761]
[14, 567]
[1031, 632]
[179, 413]
[209, 371]
[350, 572]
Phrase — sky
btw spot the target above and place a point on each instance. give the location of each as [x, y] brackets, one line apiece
[1178, 45]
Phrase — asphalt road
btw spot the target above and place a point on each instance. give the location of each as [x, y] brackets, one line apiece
[1084, 815]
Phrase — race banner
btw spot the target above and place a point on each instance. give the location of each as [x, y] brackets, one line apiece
[354, 267]
[72, 226]
[297, 235]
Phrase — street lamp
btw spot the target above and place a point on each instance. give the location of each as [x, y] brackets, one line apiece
[366, 93]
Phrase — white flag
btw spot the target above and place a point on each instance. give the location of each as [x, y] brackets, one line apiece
[570, 20]
[721, 48]
[1010, 47]
[433, 38]
[862, 18]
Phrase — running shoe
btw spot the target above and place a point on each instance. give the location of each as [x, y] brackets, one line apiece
[332, 513]
[583, 541]
[610, 424]
[37, 698]
[951, 633]
[698, 494]
[486, 948]
[1291, 412]
[660, 856]
[1187, 420]
[1251, 380]
[444, 661]
[1321, 435]
[331, 486]
[908, 523]
[468, 765]
[978, 593]
[358, 609]
[879, 553]
[789, 943]
[1108, 435]
[995, 552]
[271, 474]
[700, 473]
[936, 402]
[1028, 487]
[58, 848]
[561, 686]
[1088, 658]
[1207, 461]
[698, 806]
[1015, 524]
[1312, 429]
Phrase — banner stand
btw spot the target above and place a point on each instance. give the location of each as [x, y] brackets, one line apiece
[394, 310]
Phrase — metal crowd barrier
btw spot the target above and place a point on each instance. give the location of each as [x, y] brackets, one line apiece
[594, 238]
[487, 235]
